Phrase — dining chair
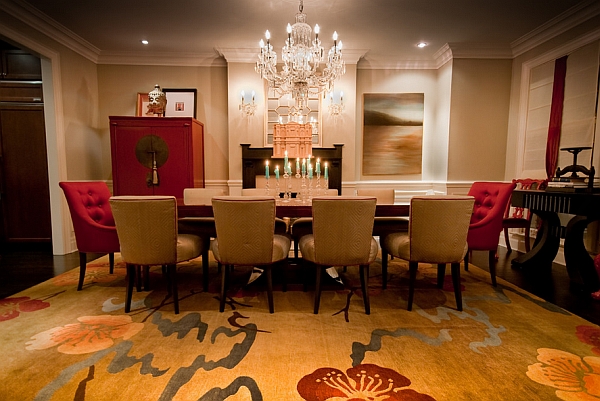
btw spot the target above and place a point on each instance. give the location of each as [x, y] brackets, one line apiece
[303, 225]
[282, 225]
[342, 230]
[246, 236]
[204, 227]
[93, 221]
[491, 201]
[385, 225]
[147, 227]
[518, 217]
[437, 234]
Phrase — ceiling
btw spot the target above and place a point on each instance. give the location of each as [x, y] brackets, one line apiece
[379, 32]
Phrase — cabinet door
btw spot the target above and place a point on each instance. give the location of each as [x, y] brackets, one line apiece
[174, 175]
[25, 195]
[20, 65]
[129, 175]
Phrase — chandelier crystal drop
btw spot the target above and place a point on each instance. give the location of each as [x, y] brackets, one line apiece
[302, 56]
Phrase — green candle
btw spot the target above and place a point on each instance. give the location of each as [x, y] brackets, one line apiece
[267, 169]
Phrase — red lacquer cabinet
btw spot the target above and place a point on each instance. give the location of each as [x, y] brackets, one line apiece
[156, 155]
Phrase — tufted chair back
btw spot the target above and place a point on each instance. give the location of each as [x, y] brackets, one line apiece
[89, 207]
[491, 199]
[93, 220]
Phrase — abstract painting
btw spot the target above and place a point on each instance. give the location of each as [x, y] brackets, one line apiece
[393, 133]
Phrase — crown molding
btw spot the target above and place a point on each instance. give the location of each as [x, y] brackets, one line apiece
[245, 55]
[29, 15]
[556, 26]
[39, 21]
[162, 59]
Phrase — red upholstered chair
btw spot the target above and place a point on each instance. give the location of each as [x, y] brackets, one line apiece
[93, 221]
[491, 200]
[518, 217]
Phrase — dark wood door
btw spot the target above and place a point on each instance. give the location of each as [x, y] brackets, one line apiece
[24, 190]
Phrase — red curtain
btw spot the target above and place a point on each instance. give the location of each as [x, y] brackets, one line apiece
[556, 111]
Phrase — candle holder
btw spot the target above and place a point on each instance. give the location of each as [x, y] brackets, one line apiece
[310, 189]
[303, 188]
[318, 183]
[286, 194]
[276, 188]
[267, 186]
[326, 184]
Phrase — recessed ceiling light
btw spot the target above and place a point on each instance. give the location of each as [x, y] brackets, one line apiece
[144, 42]
[421, 44]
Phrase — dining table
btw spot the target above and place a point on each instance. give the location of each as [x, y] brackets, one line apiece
[292, 209]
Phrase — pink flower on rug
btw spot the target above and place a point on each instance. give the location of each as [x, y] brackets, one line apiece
[575, 378]
[91, 334]
[590, 335]
[11, 308]
[362, 382]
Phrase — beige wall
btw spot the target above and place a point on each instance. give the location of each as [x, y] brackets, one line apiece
[118, 86]
[435, 85]
[478, 119]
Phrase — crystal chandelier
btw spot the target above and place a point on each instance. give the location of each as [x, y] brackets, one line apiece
[300, 74]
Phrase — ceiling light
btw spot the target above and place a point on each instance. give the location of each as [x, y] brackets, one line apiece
[301, 56]
[421, 45]
[144, 41]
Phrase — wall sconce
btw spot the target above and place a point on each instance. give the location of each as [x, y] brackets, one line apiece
[335, 109]
[247, 109]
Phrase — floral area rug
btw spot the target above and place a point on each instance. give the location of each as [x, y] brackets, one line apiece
[60, 344]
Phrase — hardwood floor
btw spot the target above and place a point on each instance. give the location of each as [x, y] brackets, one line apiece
[23, 267]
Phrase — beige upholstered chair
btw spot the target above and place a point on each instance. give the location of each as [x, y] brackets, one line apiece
[204, 227]
[281, 225]
[437, 234]
[147, 228]
[245, 237]
[385, 225]
[342, 236]
[303, 225]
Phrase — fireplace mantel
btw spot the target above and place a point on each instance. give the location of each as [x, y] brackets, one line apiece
[253, 164]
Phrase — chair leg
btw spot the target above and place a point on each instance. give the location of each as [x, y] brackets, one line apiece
[146, 278]
[269, 272]
[507, 241]
[205, 265]
[412, 267]
[384, 266]
[296, 249]
[441, 274]
[224, 274]
[456, 284]
[131, 279]
[82, 264]
[111, 262]
[318, 289]
[527, 240]
[467, 260]
[284, 275]
[492, 264]
[172, 269]
[138, 281]
[364, 284]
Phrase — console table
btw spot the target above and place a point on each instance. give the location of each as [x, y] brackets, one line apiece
[547, 205]
[253, 164]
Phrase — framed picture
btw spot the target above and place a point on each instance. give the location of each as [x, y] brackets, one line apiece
[141, 109]
[393, 133]
[180, 102]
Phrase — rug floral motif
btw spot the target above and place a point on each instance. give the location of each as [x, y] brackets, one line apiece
[59, 343]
